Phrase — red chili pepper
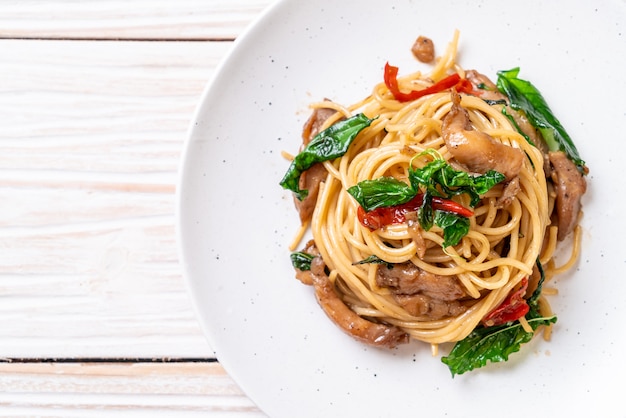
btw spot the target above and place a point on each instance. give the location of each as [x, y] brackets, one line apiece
[466, 86]
[439, 203]
[391, 81]
[390, 215]
[512, 309]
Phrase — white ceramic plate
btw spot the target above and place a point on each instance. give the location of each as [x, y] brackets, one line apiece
[235, 221]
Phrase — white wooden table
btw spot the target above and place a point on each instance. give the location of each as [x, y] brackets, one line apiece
[95, 101]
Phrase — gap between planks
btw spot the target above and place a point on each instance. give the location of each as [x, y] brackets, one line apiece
[115, 39]
[126, 366]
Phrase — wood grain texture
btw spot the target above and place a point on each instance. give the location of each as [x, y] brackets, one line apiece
[122, 19]
[95, 102]
[90, 141]
[126, 390]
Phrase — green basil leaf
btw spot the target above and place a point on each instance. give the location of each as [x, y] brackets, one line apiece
[437, 178]
[441, 179]
[381, 192]
[454, 227]
[301, 260]
[423, 177]
[484, 183]
[329, 144]
[450, 178]
[493, 344]
[455, 182]
[460, 182]
[374, 259]
[524, 96]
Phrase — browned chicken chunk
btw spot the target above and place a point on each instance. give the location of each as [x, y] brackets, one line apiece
[422, 293]
[310, 179]
[423, 49]
[369, 332]
[482, 84]
[372, 333]
[570, 185]
[474, 149]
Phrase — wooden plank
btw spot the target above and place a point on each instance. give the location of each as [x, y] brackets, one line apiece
[90, 141]
[121, 19]
[137, 389]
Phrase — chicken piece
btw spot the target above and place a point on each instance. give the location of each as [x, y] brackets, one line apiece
[422, 293]
[315, 122]
[369, 332]
[408, 279]
[570, 186]
[423, 49]
[483, 85]
[310, 179]
[509, 191]
[476, 150]
[488, 90]
[423, 305]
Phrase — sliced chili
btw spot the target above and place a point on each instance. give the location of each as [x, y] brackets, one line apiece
[466, 86]
[391, 81]
[390, 215]
[439, 203]
[512, 309]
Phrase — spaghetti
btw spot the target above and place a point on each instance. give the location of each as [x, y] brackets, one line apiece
[448, 257]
